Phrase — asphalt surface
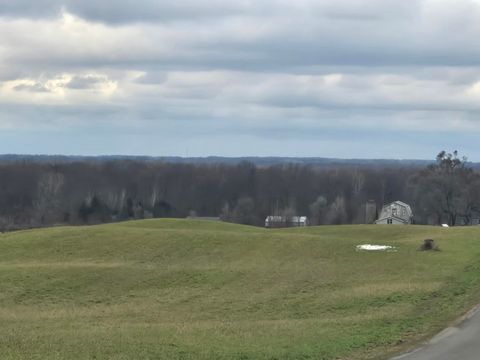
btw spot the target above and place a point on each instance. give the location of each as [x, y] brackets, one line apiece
[460, 342]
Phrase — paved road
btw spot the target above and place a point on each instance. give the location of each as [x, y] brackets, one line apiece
[461, 342]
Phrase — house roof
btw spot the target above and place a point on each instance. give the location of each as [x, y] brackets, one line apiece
[400, 203]
[387, 212]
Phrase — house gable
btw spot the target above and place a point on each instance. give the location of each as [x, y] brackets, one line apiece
[396, 212]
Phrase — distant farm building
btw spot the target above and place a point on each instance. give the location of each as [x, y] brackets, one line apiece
[396, 213]
[273, 221]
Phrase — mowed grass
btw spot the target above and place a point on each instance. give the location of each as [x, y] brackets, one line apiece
[178, 289]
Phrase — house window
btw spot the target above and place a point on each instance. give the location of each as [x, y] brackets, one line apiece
[389, 221]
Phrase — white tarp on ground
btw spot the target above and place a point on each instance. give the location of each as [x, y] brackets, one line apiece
[369, 247]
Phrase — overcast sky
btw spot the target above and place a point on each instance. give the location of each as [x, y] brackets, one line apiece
[343, 78]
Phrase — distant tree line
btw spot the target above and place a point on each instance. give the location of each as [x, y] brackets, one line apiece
[36, 194]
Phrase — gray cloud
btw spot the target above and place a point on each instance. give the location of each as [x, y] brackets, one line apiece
[33, 9]
[86, 82]
[256, 36]
[258, 69]
[152, 78]
[126, 11]
[35, 87]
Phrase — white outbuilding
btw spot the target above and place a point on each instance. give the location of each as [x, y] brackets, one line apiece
[274, 221]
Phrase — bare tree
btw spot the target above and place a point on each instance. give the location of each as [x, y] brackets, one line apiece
[48, 202]
[317, 210]
[337, 213]
[448, 188]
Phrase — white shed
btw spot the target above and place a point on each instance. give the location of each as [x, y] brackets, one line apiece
[275, 221]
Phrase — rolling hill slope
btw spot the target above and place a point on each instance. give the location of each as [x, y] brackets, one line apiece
[178, 289]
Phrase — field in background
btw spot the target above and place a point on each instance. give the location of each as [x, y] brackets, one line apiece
[178, 289]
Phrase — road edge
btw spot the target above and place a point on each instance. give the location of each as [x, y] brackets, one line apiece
[445, 333]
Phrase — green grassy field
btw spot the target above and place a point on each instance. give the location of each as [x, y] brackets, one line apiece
[177, 289]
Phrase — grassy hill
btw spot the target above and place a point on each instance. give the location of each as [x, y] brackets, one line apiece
[177, 289]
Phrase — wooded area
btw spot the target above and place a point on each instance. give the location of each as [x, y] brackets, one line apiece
[36, 194]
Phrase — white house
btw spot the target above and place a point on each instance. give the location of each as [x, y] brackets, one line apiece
[273, 221]
[396, 213]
